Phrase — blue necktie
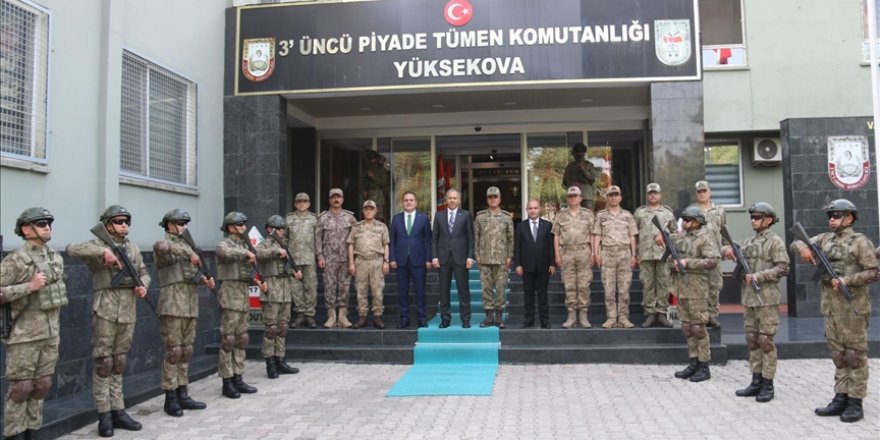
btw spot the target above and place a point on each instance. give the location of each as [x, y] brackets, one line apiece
[451, 221]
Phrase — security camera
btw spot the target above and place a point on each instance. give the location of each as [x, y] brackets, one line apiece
[478, 128]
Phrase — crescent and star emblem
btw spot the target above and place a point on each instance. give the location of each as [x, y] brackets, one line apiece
[458, 12]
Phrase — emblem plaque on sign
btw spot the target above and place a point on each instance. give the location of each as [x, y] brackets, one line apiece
[258, 58]
[849, 165]
[672, 41]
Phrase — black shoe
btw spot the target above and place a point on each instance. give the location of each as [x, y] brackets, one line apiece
[702, 372]
[465, 324]
[853, 411]
[423, 324]
[172, 406]
[753, 388]
[121, 420]
[20, 436]
[229, 389]
[688, 371]
[529, 323]
[835, 407]
[105, 424]
[403, 324]
[241, 385]
[766, 394]
[545, 323]
[444, 323]
[271, 370]
[310, 322]
[187, 402]
[283, 368]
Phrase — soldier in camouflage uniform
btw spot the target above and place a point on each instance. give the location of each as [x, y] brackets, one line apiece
[614, 239]
[853, 257]
[272, 259]
[768, 260]
[177, 265]
[368, 263]
[699, 255]
[654, 273]
[376, 182]
[302, 226]
[334, 225]
[571, 242]
[32, 285]
[113, 318]
[493, 246]
[582, 174]
[235, 261]
[715, 219]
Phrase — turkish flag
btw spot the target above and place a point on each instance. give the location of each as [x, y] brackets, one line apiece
[723, 54]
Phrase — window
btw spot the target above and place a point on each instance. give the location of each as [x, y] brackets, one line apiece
[723, 173]
[721, 27]
[866, 47]
[158, 127]
[24, 67]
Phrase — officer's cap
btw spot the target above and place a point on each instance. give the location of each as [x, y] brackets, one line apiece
[573, 191]
[653, 187]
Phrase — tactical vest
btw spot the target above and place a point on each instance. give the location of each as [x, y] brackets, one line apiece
[234, 271]
[273, 268]
[178, 272]
[102, 279]
[54, 294]
[840, 257]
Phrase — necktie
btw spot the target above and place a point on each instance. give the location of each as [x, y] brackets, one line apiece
[408, 224]
[451, 220]
[535, 230]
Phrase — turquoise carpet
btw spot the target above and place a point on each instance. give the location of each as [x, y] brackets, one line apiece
[453, 361]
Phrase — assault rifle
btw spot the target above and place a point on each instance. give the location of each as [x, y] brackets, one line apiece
[203, 265]
[128, 270]
[742, 266]
[290, 263]
[255, 272]
[670, 248]
[824, 266]
[6, 321]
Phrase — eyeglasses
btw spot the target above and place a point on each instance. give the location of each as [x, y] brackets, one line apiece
[121, 221]
[836, 215]
[757, 217]
[686, 219]
[181, 222]
[273, 228]
[240, 224]
[42, 223]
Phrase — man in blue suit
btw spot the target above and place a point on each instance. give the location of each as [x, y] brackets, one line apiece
[410, 257]
[453, 249]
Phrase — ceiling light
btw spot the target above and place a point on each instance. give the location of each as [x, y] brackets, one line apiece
[438, 106]
[366, 109]
[510, 103]
[586, 100]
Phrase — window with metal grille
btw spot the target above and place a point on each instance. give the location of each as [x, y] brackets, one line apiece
[24, 68]
[158, 127]
[723, 172]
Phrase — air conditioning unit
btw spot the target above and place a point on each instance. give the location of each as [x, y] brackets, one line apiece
[767, 152]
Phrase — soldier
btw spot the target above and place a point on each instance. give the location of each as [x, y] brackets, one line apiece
[654, 273]
[582, 174]
[614, 239]
[276, 300]
[493, 246]
[177, 265]
[334, 225]
[32, 285]
[376, 182]
[302, 225]
[571, 243]
[853, 257]
[113, 317]
[699, 255]
[715, 219]
[768, 261]
[368, 263]
[235, 262]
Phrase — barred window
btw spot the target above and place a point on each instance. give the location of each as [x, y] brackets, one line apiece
[724, 172]
[24, 68]
[158, 127]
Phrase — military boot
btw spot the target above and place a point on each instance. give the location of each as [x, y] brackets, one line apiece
[172, 406]
[584, 320]
[662, 321]
[343, 318]
[362, 322]
[283, 368]
[271, 368]
[187, 402]
[853, 411]
[835, 407]
[702, 372]
[299, 322]
[623, 321]
[241, 385]
[121, 420]
[105, 424]
[650, 320]
[310, 322]
[20, 436]
[377, 322]
[753, 388]
[331, 318]
[490, 319]
[499, 318]
[687, 371]
[572, 319]
[229, 389]
[713, 322]
[766, 394]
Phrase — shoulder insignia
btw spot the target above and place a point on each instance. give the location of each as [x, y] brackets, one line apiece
[506, 213]
[348, 212]
[359, 223]
[323, 213]
[667, 208]
[483, 212]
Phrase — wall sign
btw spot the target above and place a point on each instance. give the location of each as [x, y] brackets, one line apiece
[849, 165]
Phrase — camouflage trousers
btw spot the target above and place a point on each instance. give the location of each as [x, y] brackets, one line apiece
[27, 364]
[178, 334]
[694, 316]
[760, 324]
[493, 277]
[368, 279]
[576, 277]
[336, 282]
[233, 341]
[847, 336]
[276, 315]
[305, 291]
[616, 279]
[654, 275]
[111, 342]
[716, 282]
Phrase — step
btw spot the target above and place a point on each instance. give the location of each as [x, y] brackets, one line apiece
[605, 354]
[456, 353]
[475, 334]
[596, 336]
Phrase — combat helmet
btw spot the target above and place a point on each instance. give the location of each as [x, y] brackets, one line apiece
[843, 205]
[114, 211]
[694, 213]
[578, 148]
[31, 215]
[232, 218]
[173, 216]
[766, 209]
[276, 221]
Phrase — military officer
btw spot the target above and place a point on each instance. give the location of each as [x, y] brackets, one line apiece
[715, 219]
[614, 239]
[302, 225]
[177, 264]
[699, 254]
[113, 317]
[493, 246]
[32, 284]
[334, 225]
[768, 260]
[582, 174]
[272, 258]
[571, 242]
[853, 257]
[368, 263]
[235, 262]
[654, 273]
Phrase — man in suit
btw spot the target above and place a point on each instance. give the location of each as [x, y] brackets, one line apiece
[411, 257]
[534, 257]
[453, 250]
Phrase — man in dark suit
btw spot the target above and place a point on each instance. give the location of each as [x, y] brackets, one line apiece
[410, 257]
[453, 249]
[534, 258]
